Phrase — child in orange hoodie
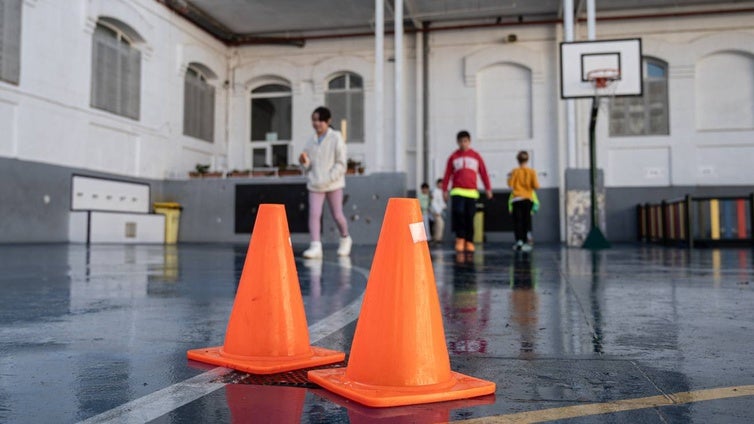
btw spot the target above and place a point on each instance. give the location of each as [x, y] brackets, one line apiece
[523, 181]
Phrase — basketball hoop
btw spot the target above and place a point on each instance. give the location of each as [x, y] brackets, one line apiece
[603, 81]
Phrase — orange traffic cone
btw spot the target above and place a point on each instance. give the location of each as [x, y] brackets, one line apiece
[398, 356]
[267, 331]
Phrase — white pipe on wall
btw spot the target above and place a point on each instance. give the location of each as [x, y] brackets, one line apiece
[400, 150]
[591, 28]
[570, 103]
[379, 80]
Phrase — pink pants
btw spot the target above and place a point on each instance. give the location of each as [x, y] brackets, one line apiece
[317, 202]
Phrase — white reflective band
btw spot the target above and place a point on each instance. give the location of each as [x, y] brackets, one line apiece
[417, 232]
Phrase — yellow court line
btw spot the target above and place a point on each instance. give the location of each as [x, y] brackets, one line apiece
[616, 406]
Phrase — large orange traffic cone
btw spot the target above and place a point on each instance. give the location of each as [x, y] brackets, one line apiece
[267, 331]
[398, 356]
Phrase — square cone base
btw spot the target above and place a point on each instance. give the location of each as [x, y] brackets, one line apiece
[462, 387]
[266, 365]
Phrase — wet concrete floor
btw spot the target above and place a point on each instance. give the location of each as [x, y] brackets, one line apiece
[100, 333]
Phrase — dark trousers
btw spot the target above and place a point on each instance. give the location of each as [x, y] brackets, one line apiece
[463, 210]
[521, 219]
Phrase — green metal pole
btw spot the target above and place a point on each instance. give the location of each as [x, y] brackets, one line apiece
[595, 239]
[593, 160]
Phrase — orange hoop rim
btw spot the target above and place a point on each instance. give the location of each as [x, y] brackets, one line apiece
[601, 78]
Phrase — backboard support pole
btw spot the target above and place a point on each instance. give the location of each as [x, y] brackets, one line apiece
[595, 240]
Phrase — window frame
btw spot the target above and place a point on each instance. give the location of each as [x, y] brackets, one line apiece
[348, 91]
[204, 131]
[121, 38]
[645, 102]
[10, 48]
[270, 146]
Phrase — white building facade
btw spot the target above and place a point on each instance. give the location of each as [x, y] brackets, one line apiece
[132, 89]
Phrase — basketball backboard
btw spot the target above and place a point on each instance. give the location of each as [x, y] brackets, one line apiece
[580, 59]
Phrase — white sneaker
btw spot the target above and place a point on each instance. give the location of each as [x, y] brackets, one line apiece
[344, 262]
[314, 251]
[344, 248]
[518, 245]
[526, 247]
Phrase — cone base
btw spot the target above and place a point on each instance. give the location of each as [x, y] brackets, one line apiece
[335, 381]
[273, 365]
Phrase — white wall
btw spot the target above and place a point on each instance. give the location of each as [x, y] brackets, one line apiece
[711, 98]
[48, 115]
[307, 70]
[467, 93]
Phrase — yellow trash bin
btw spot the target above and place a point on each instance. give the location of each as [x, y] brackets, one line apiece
[172, 212]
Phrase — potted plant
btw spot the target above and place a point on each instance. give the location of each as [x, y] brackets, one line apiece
[239, 174]
[199, 171]
[352, 166]
[284, 170]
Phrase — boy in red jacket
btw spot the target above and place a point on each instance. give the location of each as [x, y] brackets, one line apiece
[463, 166]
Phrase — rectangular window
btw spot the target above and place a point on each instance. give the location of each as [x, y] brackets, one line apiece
[349, 106]
[199, 109]
[271, 118]
[279, 154]
[645, 115]
[259, 158]
[10, 40]
[116, 75]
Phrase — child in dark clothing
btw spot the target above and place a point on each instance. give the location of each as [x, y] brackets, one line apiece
[523, 181]
[462, 168]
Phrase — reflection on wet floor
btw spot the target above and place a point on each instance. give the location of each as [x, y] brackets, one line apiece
[87, 329]
[523, 298]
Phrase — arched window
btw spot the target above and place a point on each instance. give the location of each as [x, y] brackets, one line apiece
[345, 99]
[271, 123]
[10, 40]
[198, 103]
[648, 114]
[116, 69]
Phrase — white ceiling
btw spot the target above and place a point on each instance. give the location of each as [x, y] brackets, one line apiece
[230, 19]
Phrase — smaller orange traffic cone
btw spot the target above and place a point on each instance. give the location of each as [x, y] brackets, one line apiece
[398, 355]
[267, 331]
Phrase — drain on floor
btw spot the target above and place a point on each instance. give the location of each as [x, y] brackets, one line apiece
[296, 378]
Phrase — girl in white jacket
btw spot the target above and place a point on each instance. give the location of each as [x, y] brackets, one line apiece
[324, 160]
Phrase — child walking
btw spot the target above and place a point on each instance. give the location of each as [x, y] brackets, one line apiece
[462, 168]
[437, 208]
[324, 160]
[522, 181]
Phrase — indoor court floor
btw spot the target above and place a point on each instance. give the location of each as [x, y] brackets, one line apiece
[631, 334]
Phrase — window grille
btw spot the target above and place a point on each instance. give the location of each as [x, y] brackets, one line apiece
[10, 40]
[198, 106]
[345, 99]
[116, 73]
[648, 114]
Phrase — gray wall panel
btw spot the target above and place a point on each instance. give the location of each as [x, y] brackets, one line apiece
[25, 216]
[209, 206]
[208, 214]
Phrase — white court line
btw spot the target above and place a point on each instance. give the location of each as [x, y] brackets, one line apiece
[161, 402]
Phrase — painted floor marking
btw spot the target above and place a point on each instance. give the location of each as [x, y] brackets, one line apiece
[161, 402]
[615, 406]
